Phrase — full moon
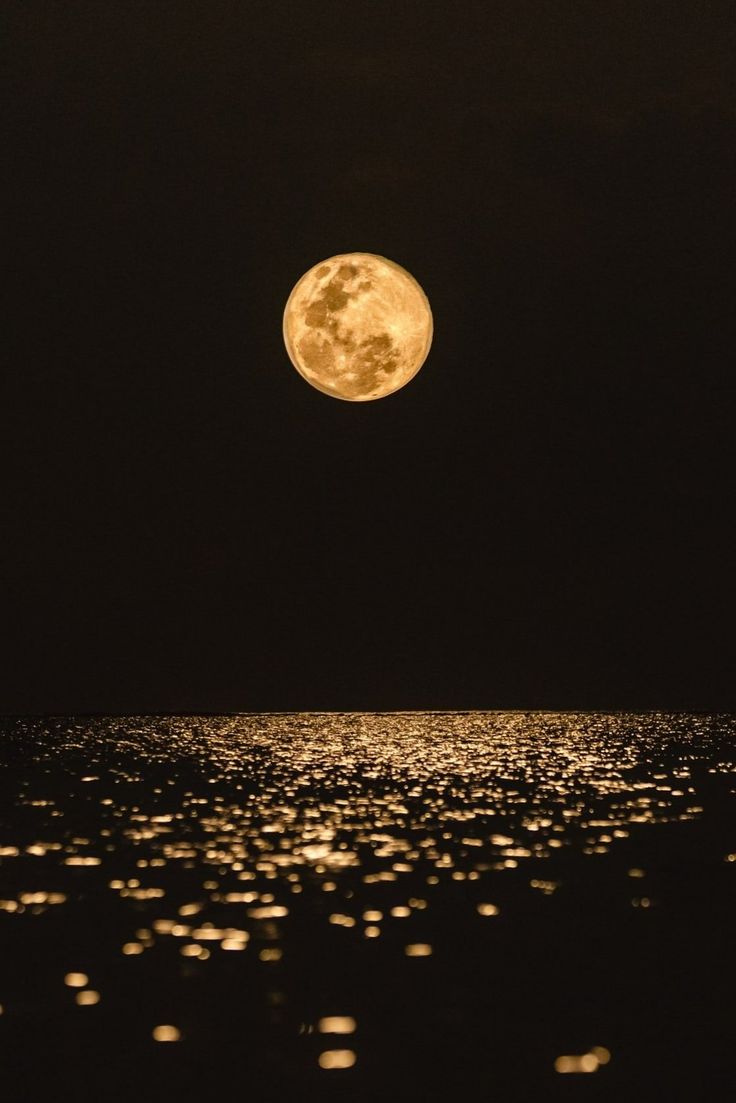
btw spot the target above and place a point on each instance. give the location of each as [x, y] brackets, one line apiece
[357, 326]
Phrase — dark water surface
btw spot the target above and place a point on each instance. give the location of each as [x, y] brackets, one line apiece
[359, 907]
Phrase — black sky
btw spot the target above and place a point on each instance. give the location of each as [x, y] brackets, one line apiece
[541, 519]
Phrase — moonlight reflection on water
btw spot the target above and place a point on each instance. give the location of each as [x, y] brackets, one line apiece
[322, 901]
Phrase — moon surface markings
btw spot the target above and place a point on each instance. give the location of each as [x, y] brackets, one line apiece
[357, 326]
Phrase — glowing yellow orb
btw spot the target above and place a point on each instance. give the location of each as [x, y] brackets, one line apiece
[357, 326]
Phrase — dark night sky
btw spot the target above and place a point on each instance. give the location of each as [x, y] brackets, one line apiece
[541, 519]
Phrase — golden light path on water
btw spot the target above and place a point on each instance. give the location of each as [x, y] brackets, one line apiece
[179, 847]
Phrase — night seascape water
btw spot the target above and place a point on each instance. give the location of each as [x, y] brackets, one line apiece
[359, 906]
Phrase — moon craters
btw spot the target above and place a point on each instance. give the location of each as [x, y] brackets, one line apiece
[357, 327]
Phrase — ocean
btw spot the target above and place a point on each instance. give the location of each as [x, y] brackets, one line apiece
[360, 906]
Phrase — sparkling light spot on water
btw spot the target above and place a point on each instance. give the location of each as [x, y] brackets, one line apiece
[87, 998]
[336, 1024]
[337, 1059]
[76, 980]
[166, 1033]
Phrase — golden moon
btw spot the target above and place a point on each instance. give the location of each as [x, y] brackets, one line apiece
[357, 326]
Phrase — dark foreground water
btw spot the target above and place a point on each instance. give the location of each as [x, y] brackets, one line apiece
[430, 906]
